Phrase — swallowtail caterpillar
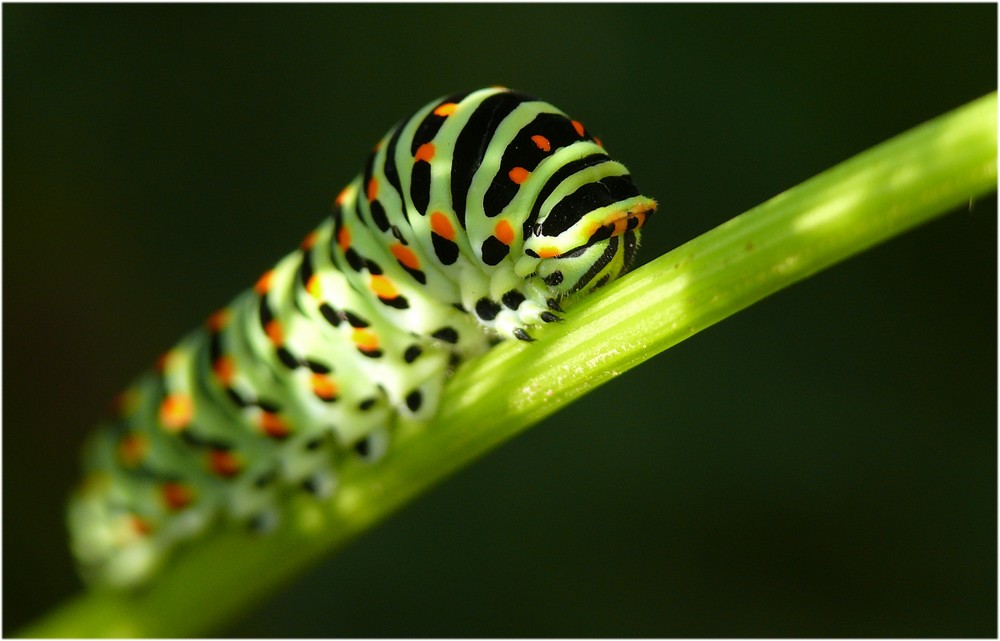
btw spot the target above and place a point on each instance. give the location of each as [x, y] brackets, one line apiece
[470, 222]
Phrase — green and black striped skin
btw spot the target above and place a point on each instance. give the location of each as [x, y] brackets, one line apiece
[470, 221]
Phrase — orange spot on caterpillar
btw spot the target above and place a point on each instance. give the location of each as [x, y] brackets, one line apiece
[598, 141]
[548, 252]
[176, 496]
[504, 232]
[446, 109]
[425, 152]
[274, 333]
[273, 425]
[263, 284]
[342, 196]
[344, 238]
[313, 287]
[579, 127]
[365, 339]
[218, 320]
[139, 525]
[542, 143]
[224, 368]
[441, 226]
[383, 287]
[176, 412]
[642, 213]
[405, 255]
[519, 174]
[132, 449]
[372, 190]
[621, 223]
[224, 463]
[308, 241]
[324, 387]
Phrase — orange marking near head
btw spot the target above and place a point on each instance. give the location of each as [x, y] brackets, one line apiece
[313, 287]
[342, 196]
[263, 284]
[579, 127]
[224, 463]
[324, 387]
[344, 238]
[504, 232]
[592, 228]
[176, 412]
[309, 240]
[519, 174]
[446, 109]
[548, 252]
[275, 333]
[425, 152]
[372, 190]
[176, 496]
[365, 339]
[598, 141]
[273, 425]
[132, 449]
[224, 368]
[218, 320]
[383, 287]
[441, 226]
[542, 143]
[405, 255]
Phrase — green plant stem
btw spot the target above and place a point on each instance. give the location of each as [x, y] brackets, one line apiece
[874, 196]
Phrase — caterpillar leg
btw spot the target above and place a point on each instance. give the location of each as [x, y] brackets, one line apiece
[114, 547]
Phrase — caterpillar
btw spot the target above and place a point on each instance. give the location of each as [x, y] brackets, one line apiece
[471, 222]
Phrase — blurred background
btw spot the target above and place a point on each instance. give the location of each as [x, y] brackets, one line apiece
[823, 463]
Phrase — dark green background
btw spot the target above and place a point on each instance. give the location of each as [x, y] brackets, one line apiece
[823, 463]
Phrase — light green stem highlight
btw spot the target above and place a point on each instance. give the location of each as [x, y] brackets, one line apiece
[874, 196]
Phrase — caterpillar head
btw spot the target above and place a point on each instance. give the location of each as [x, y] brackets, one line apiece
[588, 230]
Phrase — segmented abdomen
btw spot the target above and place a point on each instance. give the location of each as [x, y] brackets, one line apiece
[470, 221]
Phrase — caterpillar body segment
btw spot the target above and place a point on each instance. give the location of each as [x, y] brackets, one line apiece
[470, 222]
